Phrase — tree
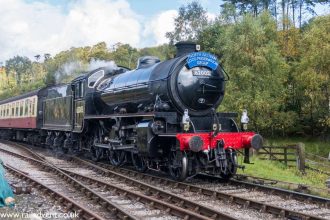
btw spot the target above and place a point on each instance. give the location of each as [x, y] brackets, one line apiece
[18, 66]
[191, 20]
[250, 54]
[163, 52]
[311, 80]
[125, 55]
[99, 51]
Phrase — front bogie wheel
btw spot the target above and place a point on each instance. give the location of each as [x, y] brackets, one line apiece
[178, 165]
[232, 165]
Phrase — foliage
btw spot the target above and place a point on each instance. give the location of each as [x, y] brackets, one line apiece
[312, 76]
[18, 66]
[257, 70]
[190, 21]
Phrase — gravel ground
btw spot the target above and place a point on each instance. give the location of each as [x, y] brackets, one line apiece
[33, 203]
[291, 204]
[54, 183]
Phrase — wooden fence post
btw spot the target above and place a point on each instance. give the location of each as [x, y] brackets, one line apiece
[285, 156]
[300, 150]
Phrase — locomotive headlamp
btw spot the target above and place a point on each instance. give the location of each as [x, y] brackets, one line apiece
[186, 120]
[196, 143]
[244, 120]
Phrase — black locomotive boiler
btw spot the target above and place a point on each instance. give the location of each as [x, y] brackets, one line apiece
[161, 115]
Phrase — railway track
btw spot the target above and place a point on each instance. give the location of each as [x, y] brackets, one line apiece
[59, 198]
[56, 180]
[170, 204]
[227, 193]
[317, 205]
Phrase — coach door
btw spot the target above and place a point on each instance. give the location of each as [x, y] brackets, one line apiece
[78, 105]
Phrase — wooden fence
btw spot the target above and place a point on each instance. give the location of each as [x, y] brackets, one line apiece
[291, 155]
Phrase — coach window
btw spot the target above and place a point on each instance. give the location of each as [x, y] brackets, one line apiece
[34, 107]
[12, 113]
[16, 109]
[30, 108]
[26, 106]
[21, 109]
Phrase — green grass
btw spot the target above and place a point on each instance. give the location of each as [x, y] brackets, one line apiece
[278, 171]
[312, 145]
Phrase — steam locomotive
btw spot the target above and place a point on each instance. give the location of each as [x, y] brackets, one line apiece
[160, 116]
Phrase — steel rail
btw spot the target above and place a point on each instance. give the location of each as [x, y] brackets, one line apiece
[69, 204]
[245, 202]
[110, 206]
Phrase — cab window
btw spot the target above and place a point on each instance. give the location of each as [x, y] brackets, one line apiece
[94, 78]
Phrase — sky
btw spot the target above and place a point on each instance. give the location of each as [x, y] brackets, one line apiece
[31, 27]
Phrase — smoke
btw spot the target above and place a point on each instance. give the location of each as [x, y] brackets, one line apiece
[70, 70]
[94, 64]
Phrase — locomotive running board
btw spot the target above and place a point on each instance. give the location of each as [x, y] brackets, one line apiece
[149, 114]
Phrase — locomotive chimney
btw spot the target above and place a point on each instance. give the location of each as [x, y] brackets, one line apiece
[184, 47]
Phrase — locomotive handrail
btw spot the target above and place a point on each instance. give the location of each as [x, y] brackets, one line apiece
[228, 78]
